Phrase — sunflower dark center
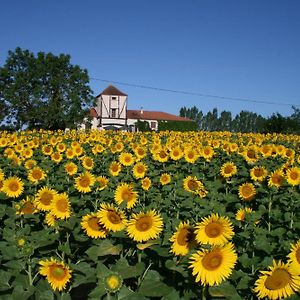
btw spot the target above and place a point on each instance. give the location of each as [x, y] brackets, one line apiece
[279, 279]
[251, 153]
[213, 229]
[93, 223]
[185, 236]
[62, 205]
[37, 174]
[212, 261]
[192, 184]
[58, 272]
[28, 208]
[84, 181]
[228, 169]
[259, 172]
[126, 195]
[144, 223]
[140, 169]
[46, 198]
[113, 217]
[14, 186]
[294, 175]
[298, 255]
[247, 191]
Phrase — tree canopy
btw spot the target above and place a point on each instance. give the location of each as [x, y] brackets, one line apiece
[43, 91]
[245, 121]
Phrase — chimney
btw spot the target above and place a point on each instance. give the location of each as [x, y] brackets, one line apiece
[141, 111]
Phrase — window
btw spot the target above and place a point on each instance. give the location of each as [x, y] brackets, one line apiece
[113, 98]
[113, 113]
[153, 125]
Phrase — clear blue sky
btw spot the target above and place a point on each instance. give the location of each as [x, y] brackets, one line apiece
[233, 48]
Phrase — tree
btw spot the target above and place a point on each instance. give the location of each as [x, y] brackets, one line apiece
[43, 91]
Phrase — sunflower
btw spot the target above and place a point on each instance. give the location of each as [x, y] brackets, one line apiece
[57, 273]
[207, 153]
[293, 176]
[176, 153]
[145, 226]
[44, 197]
[214, 230]
[280, 281]
[60, 206]
[247, 191]
[125, 193]
[146, 183]
[113, 282]
[191, 155]
[111, 217]
[161, 155]
[92, 226]
[1, 175]
[228, 169]
[258, 173]
[87, 163]
[84, 182]
[126, 159]
[266, 150]
[294, 257]
[101, 182]
[70, 153]
[78, 151]
[27, 153]
[139, 170]
[71, 168]
[140, 152]
[26, 207]
[165, 178]
[276, 179]
[13, 186]
[36, 174]
[47, 150]
[192, 184]
[30, 163]
[56, 157]
[211, 267]
[242, 212]
[119, 147]
[183, 240]
[250, 154]
[50, 219]
[115, 168]
[61, 147]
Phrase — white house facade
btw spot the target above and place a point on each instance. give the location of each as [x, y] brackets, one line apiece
[111, 112]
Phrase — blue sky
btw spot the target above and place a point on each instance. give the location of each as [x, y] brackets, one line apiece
[233, 48]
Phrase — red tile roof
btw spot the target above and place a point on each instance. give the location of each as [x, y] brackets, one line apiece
[112, 90]
[93, 113]
[154, 115]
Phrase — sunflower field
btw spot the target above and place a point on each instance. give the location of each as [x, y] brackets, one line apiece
[167, 215]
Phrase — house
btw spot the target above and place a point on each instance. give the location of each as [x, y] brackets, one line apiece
[111, 112]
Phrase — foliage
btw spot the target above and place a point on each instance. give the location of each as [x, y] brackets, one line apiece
[245, 121]
[43, 91]
[142, 126]
[148, 269]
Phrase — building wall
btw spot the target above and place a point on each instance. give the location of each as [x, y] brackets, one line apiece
[153, 124]
[111, 110]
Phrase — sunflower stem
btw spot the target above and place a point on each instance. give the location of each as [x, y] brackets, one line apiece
[108, 296]
[29, 273]
[269, 215]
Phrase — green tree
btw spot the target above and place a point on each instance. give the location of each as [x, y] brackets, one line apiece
[247, 121]
[43, 91]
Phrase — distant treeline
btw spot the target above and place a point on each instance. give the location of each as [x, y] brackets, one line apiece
[245, 121]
